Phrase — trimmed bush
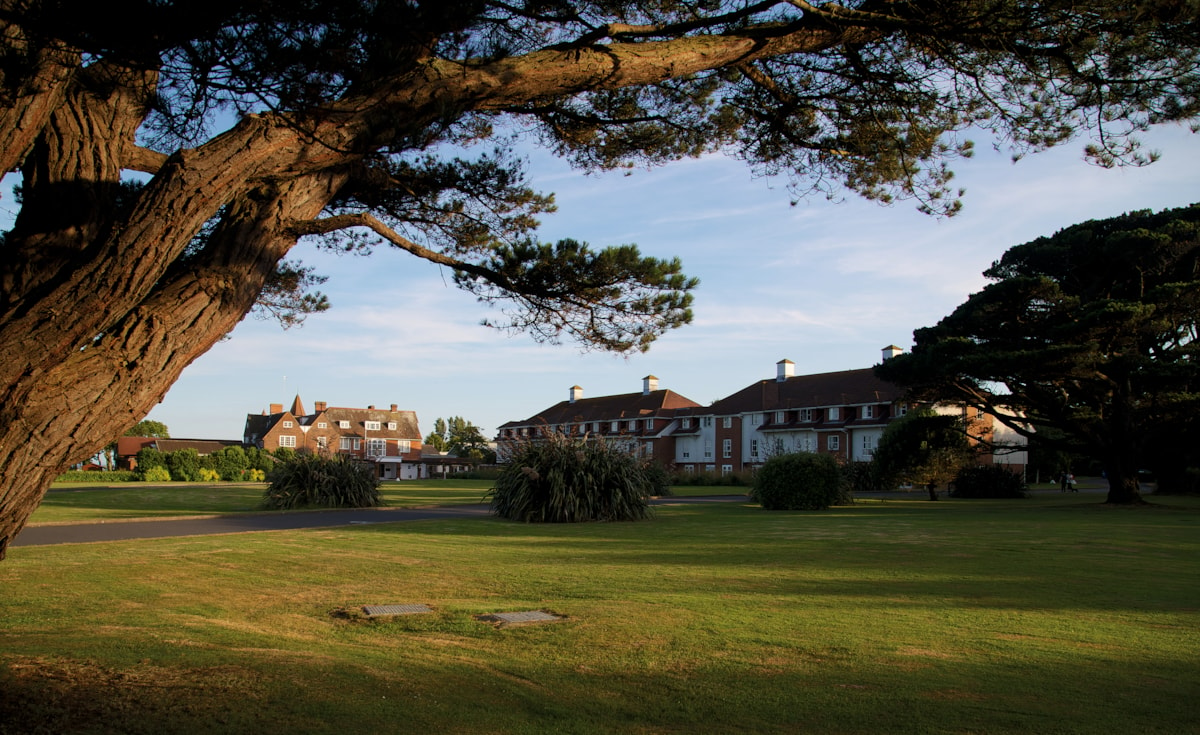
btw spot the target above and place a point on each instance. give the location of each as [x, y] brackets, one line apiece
[311, 480]
[988, 481]
[102, 477]
[207, 475]
[799, 481]
[156, 474]
[560, 480]
[255, 476]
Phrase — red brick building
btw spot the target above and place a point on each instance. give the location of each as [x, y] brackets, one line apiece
[641, 422]
[389, 437]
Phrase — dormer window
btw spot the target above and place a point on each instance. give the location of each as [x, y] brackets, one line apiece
[685, 423]
[781, 417]
[868, 412]
[806, 415]
[371, 425]
[343, 424]
[391, 426]
[835, 414]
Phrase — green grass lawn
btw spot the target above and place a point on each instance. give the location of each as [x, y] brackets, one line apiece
[1051, 615]
[81, 503]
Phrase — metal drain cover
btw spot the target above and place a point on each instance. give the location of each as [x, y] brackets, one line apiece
[517, 618]
[373, 610]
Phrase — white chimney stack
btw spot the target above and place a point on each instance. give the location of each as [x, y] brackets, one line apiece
[891, 351]
[649, 385]
[576, 393]
[784, 369]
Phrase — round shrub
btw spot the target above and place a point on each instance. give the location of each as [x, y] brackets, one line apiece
[797, 482]
[988, 481]
[207, 475]
[559, 480]
[156, 474]
[312, 480]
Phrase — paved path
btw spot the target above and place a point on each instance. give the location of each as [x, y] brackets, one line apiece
[123, 530]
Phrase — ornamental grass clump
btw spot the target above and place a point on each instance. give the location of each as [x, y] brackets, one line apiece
[799, 481]
[315, 481]
[560, 480]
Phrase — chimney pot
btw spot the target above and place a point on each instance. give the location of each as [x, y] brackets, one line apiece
[393, 407]
[276, 408]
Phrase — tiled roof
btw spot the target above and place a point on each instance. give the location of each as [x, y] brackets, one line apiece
[407, 428]
[127, 446]
[845, 388]
[659, 403]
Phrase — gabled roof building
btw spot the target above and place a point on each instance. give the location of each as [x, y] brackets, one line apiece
[639, 421]
[390, 437]
[840, 413]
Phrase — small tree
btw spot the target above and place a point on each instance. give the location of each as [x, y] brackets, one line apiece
[563, 480]
[922, 448]
[800, 481]
[184, 465]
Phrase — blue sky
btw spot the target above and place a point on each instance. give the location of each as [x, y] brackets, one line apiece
[824, 284]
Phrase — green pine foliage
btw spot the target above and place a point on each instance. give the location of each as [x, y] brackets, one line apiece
[988, 481]
[562, 480]
[800, 481]
[316, 481]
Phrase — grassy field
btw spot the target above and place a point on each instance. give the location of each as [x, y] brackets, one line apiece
[1051, 615]
[80, 503]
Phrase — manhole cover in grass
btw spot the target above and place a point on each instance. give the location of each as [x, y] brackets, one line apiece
[520, 618]
[373, 610]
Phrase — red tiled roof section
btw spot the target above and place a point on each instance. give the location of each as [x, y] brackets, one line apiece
[610, 408]
[844, 388]
[406, 422]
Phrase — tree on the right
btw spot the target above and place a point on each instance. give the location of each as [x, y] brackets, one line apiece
[1090, 331]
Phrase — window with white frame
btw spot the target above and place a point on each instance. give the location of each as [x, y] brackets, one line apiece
[685, 423]
[343, 424]
[727, 422]
[391, 426]
[727, 448]
[753, 447]
[868, 444]
[706, 421]
[686, 454]
[649, 424]
[833, 442]
[322, 425]
[404, 446]
[835, 414]
[806, 415]
[726, 469]
[780, 417]
[901, 409]
[371, 425]
[322, 442]
[868, 412]
[346, 444]
[616, 426]
[288, 424]
[708, 450]
[376, 447]
[287, 441]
